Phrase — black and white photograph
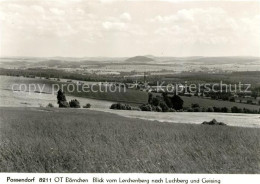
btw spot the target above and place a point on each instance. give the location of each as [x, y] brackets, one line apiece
[130, 86]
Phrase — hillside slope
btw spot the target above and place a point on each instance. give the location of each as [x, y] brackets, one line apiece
[80, 140]
[139, 59]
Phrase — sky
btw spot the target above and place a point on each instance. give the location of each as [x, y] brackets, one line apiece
[120, 28]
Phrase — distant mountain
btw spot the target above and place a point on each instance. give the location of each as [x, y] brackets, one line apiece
[139, 59]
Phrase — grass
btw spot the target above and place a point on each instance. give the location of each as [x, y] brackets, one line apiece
[80, 140]
[130, 96]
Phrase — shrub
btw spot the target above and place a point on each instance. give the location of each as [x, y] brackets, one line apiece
[136, 109]
[210, 109]
[224, 109]
[217, 109]
[63, 104]
[74, 104]
[87, 106]
[120, 106]
[146, 107]
[235, 109]
[203, 109]
[158, 109]
[172, 110]
[190, 110]
[232, 99]
[50, 105]
[197, 109]
[164, 107]
[213, 122]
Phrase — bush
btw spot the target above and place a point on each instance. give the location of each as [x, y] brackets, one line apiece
[213, 122]
[50, 105]
[63, 104]
[197, 109]
[164, 107]
[235, 109]
[146, 107]
[173, 110]
[136, 109]
[158, 109]
[210, 109]
[190, 110]
[217, 109]
[120, 106]
[87, 106]
[203, 109]
[224, 109]
[74, 104]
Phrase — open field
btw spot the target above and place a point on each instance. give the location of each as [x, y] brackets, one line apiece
[99, 92]
[79, 140]
[130, 96]
[203, 102]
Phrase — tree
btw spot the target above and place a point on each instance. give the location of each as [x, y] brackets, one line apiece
[150, 98]
[164, 106]
[62, 99]
[155, 101]
[167, 100]
[177, 102]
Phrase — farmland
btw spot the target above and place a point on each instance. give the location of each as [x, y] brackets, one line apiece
[79, 140]
[203, 102]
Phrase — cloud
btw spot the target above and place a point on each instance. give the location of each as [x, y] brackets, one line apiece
[160, 26]
[38, 9]
[189, 15]
[125, 16]
[57, 11]
[114, 26]
[209, 26]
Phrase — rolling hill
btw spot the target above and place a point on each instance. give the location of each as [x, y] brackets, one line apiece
[139, 59]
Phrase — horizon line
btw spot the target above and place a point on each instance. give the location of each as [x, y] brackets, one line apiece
[146, 55]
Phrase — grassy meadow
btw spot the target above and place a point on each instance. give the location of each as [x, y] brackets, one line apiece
[130, 96]
[80, 140]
